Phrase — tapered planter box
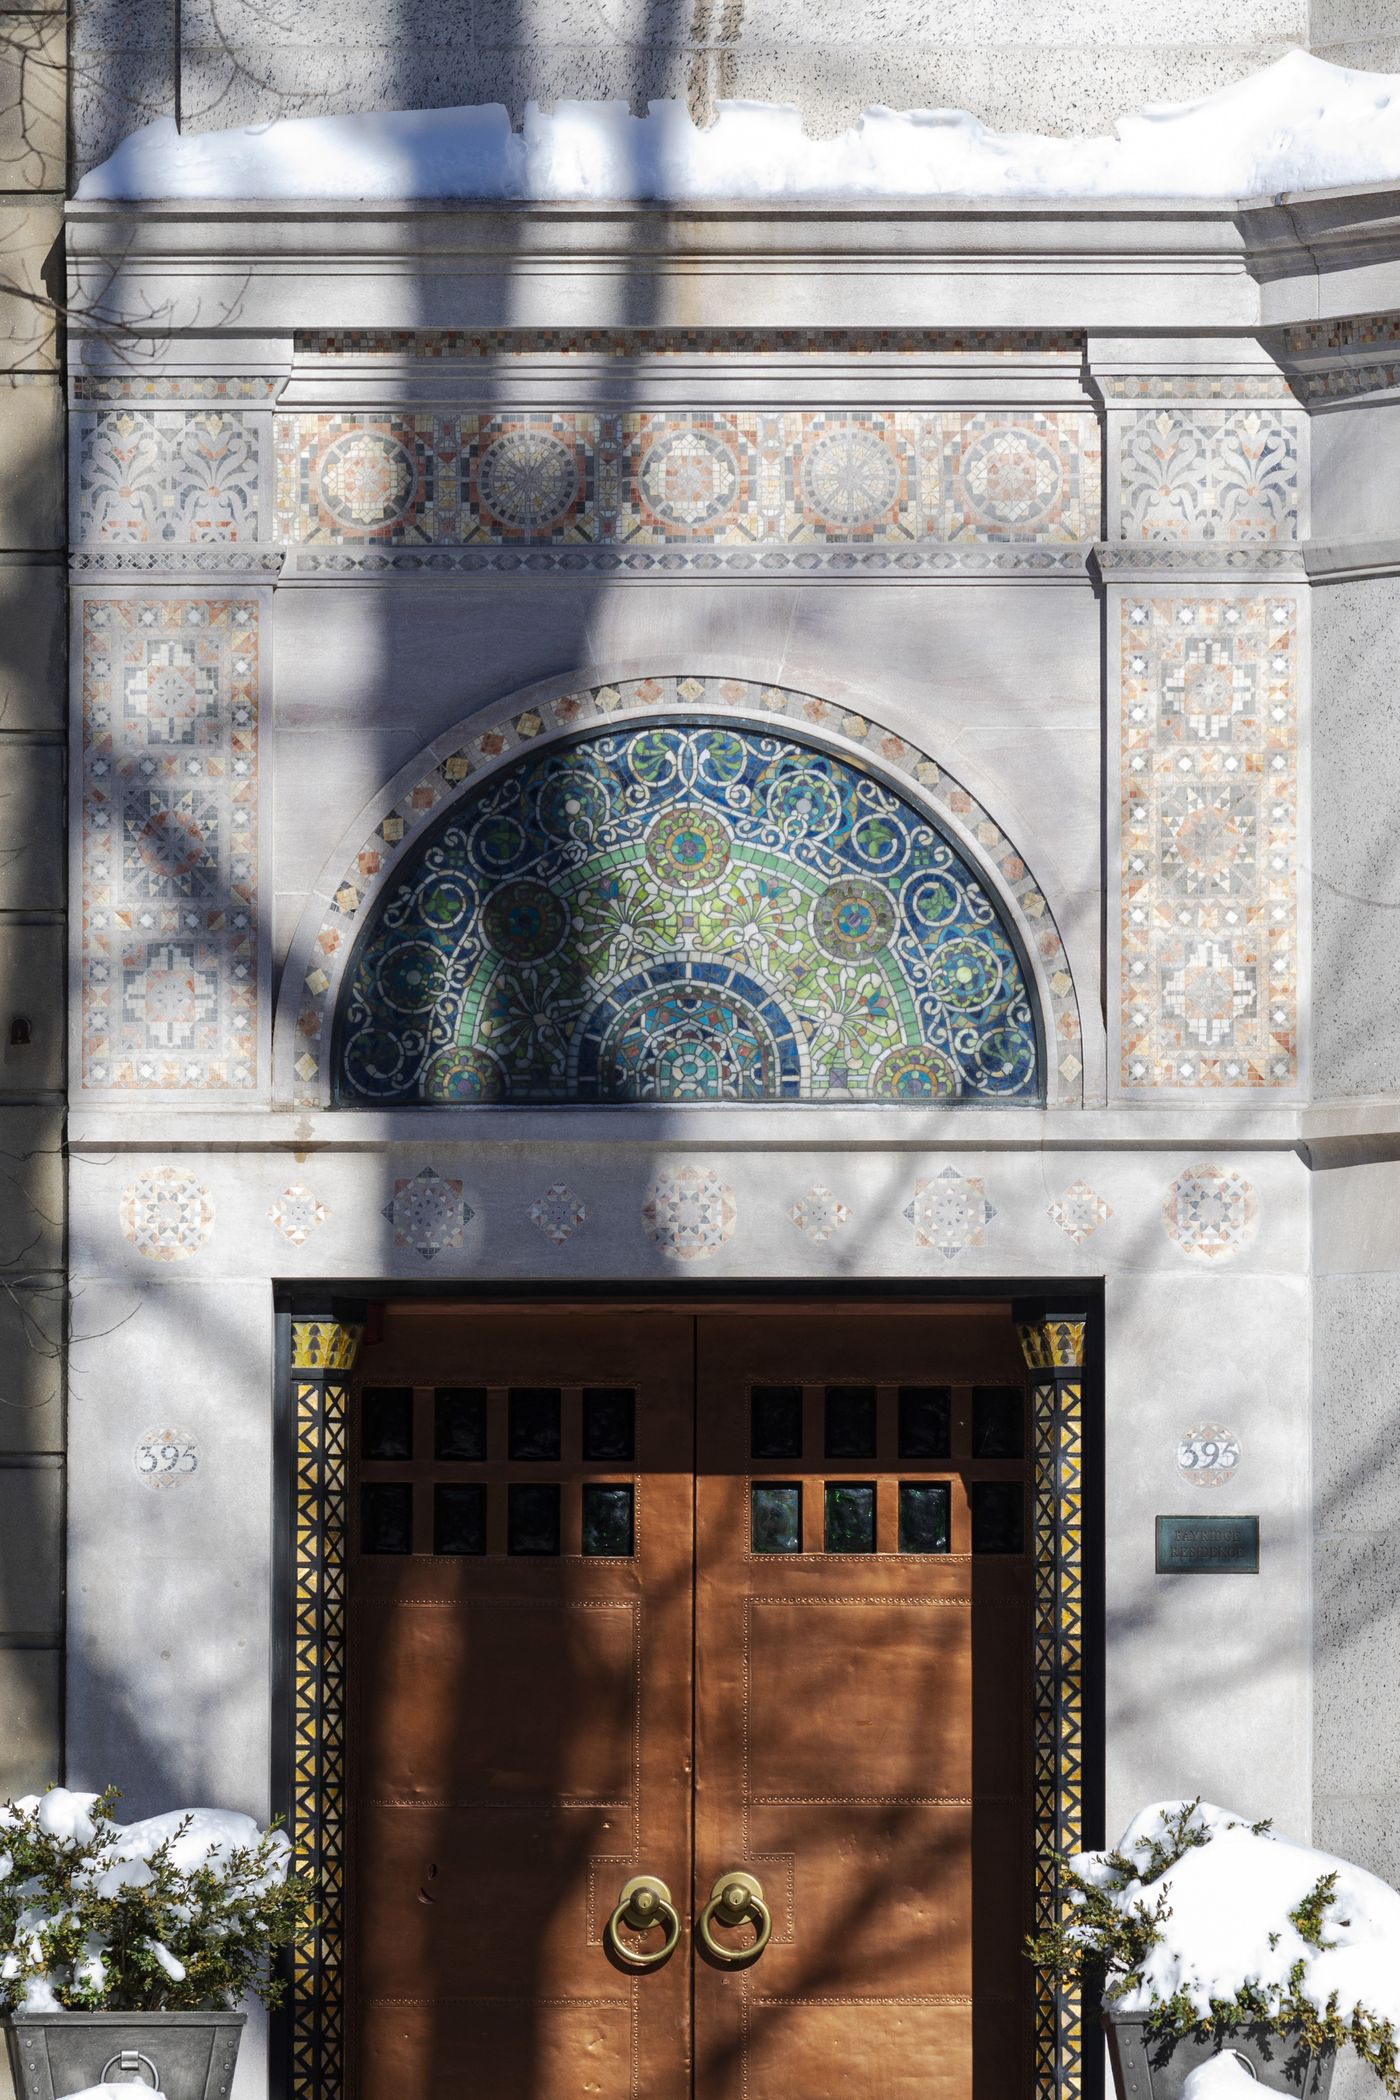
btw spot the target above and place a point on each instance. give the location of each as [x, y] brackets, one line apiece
[1156, 2067]
[184, 2055]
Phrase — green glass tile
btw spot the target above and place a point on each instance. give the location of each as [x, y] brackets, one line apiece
[850, 1421]
[386, 1421]
[459, 1422]
[459, 1517]
[386, 1516]
[923, 1516]
[925, 1412]
[608, 1425]
[777, 1517]
[775, 1421]
[998, 1516]
[532, 1518]
[998, 1421]
[534, 1422]
[607, 1518]
[850, 1516]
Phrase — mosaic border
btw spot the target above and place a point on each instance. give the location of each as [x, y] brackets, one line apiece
[1066, 562]
[477, 748]
[322, 1357]
[451, 344]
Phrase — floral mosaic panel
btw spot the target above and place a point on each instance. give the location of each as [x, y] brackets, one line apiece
[1210, 474]
[1209, 842]
[493, 745]
[152, 477]
[170, 842]
[688, 912]
[688, 477]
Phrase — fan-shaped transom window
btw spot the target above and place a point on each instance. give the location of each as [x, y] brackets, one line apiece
[686, 912]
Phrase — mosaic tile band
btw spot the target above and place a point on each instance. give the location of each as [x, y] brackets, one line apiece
[169, 960]
[454, 343]
[322, 951]
[686, 913]
[1209, 821]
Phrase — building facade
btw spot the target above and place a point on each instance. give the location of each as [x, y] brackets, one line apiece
[820, 777]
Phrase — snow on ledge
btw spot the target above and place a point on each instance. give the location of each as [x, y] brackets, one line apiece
[1300, 124]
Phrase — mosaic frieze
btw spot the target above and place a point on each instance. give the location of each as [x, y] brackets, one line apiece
[692, 913]
[1209, 474]
[494, 745]
[169, 842]
[818, 478]
[165, 476]
[175, 386]
[453, 344]
[1209, 842]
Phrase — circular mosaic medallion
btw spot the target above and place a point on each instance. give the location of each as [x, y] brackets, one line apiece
[803, 801]
[852, 918]
[462, 1075]
[965, 974]
[574, 799]
[527, 479]
[850, 478]
[166, 1458]
[916, 1073]
[1005, 1058]
[376, 1058]
[524, 921]
[366, 480]
[444, 900]
[1013, 478]
[686, 1044]
[688, 479]
[412, 977]
[932, 901]
[1208, 1457]
[688, 848]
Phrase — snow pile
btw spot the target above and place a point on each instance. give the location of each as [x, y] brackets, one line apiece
[1228, 1924]
[197, 1837]
[1223, 2078]
[102, 2092]
[1300, 124]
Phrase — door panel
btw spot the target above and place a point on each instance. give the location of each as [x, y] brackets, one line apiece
[521, 1700]
[860, 1741]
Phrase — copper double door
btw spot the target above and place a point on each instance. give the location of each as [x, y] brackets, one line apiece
[644, 1592]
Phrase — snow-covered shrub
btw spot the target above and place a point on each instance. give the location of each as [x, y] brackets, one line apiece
[180, 1912]
[1205, 1921]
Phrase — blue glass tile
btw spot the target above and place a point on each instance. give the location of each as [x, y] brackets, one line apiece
[850, 1516]
[533, 1419]
[607, 1518]
[850, 1421]
[386, 1421]
[532, 1518]
[459, 1516]
[925, 1413]
[998, 1421]
[608, 1424]
[459, 1422]
[923, 1516]
[775, 1421]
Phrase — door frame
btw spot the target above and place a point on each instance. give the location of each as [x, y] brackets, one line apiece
[318, 1332]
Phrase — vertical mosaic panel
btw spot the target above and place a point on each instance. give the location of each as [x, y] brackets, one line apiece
[1209, 474]
[170, 699]
[322, 1352]
[1209, 816]
[166, 476]
[1054, 1349]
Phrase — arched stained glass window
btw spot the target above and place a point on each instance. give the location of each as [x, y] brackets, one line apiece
[686, 912]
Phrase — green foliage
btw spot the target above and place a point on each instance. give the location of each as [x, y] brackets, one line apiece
[159, 1934]
[1105, 1942]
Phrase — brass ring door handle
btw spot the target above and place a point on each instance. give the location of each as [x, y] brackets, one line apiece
[644, 1903]
[734, 1897]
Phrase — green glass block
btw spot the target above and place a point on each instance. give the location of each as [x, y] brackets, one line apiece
[998, 1516]
[534, 1422]
[459, 1422]
[923, 1516]
[608, 1425]
[850, 1516]
[998, 1421]
[386, 1516]
[850, 1421]
[386, 1421]
[777, 1517]
[607, 1519]
[775, 1421]
[459, 1517]
[532, 1519]
[925, 1412]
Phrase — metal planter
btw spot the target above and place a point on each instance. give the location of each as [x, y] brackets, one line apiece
[184, 2055]
[1154, 2067]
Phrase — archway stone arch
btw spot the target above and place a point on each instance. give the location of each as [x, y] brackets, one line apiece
[457, 763]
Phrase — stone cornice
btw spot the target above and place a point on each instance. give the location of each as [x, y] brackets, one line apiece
[218, 269]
